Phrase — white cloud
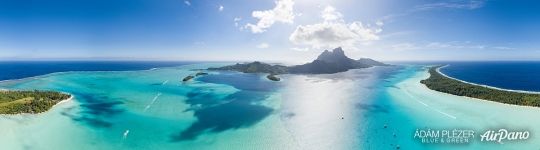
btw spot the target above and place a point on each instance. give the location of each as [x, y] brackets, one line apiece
[283, 12]
[236, 20]
[440, 45]
[404, 46]
[334, 32]
[379, 23]
[220, 8]
[503, 48]
[330, 14]
[460, 4]
[187, 3]
[451, 5]
[455, 45]
[263, 45]
[300, 49]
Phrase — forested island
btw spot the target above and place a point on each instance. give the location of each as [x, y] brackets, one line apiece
[441, 83]
[272, 77]
[189, 77]
[16, 102]
[327, 62]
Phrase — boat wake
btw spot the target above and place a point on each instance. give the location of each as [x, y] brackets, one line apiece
[153, 101]
[437, 110]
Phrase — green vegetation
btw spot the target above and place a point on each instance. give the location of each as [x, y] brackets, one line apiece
[440, 83]
[201, 74]
[273, 77]
[15, 102]
[326, 63]
[187, 78]
[255, 67]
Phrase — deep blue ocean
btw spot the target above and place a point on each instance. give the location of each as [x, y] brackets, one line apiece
[515, 75]
[22, 69]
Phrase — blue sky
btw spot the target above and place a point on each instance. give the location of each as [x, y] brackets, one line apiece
[281, 30]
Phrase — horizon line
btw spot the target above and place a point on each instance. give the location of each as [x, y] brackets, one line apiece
[4, 59]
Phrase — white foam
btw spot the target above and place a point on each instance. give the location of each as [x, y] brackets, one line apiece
[437, 110]
[165, 82]
[125, 134]
[153, 101]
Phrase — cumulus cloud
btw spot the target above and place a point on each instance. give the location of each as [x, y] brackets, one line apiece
[263, 45]
[330, 14]
[187, 3]
[334, 32]
[283, 12]
[220, 8]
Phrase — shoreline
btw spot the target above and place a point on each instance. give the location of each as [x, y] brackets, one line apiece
[71, 96]
[427, 75]
[472, 98]
[482, 85]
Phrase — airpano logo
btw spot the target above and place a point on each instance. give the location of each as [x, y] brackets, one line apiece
[465, 136]
[504, 135]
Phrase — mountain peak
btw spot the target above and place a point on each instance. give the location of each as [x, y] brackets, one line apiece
[327, 62]
[336, 54]
[338, 50]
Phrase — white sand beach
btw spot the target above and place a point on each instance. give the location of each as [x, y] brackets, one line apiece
[435, 109]
[487, 86]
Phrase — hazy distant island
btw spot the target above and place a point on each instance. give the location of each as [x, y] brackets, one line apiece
[189, 77]
[16, 102]
[441, 83]
[327, 62]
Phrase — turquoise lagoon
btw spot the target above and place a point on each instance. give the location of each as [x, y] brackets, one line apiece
[374, 108]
